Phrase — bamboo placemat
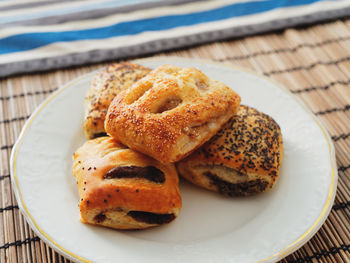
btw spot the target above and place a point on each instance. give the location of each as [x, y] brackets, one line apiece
[313, 62]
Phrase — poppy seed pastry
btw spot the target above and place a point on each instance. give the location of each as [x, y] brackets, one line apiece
[170, 112]
[242, 159]
[104, 87]
[124, 189]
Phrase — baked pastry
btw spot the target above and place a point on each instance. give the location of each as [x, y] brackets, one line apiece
[124, 189]
[104, 87]
[242, 159]
[170, 112]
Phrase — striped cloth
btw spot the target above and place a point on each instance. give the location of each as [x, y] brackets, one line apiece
[37, 35]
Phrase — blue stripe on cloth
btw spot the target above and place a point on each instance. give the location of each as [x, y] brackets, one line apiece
[28, 41]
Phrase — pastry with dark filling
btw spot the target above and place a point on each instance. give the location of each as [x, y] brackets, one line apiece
[104, 87]
[242, 159]
[170, 112]
[124, 189]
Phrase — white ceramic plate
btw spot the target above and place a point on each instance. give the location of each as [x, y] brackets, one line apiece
[210, 228]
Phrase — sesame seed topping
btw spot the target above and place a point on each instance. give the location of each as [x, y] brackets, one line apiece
[251, 139]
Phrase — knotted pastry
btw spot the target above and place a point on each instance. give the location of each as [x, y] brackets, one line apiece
[242, 159]
[170, 112]
[124, 189]
[104, 87]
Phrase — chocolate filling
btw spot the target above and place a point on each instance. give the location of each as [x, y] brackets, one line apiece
[149, 172]
[239, 189]
[100, 218]
[151, 218]
[101, 134]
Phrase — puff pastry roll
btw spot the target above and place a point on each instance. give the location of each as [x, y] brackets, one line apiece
[104, 87]
[124, 189]
[242, 159]
[170, 112]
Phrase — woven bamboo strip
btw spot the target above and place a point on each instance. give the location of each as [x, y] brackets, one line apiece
[330, 227]
[341, 227]
[24, 234]
[313, 77]
[342, 192]
[18, 230]
[330, 236]
[260, 62]
[318, 99]
[312, 55]
[3, 171]
[335, 50]
[13, 218]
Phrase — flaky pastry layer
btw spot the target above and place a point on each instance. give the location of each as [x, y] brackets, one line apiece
[124, 189]
[170, 112]
[104, 87]
[243, 158]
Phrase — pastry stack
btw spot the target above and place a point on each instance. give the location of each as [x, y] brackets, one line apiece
[146, 127]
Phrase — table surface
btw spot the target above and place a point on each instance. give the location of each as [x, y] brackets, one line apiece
[312, 62]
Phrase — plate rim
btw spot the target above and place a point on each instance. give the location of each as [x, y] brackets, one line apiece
[301, 240]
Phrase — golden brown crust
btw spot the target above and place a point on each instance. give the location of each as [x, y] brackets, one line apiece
[170, 112]
[104, 87]
[108, 201]
[246, 153]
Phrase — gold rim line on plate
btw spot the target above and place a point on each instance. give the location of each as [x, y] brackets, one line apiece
[290, 248]
[14, 159]
[278, 255]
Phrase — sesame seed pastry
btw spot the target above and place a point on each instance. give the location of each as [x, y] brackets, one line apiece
[170, 112]
[124, 189]
[242, 159]
[104, 87]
